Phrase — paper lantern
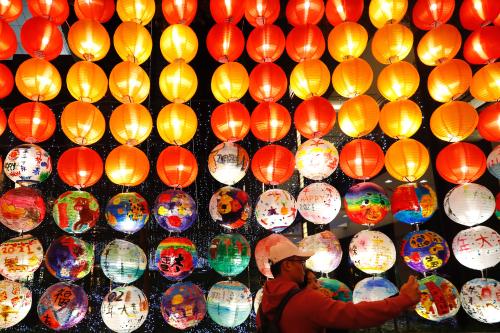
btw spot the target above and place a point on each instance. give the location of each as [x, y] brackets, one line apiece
[372, 252]
[413, 203]
[183, 305]
[177, 167]
[309, 78]
[88, 40]
[225, 42]
[366, 203]
[478, 13]
[374, 288]
[15, 303]
[75, 211]
[340, 291]
[132, 42]
[493, 162]
[69, 258]
[275, 210]
[6, 82]
[449, 81]
[469, 204]
[55, 10]
[127, 212]
[314, 117]
[407, 160]
[361, 159]
[22, 209]
[179, 12]
[400, 119]
[270, 121]
[229, 82]
[176, 258]
[480, 47]
[484, 84]
[229, 254]
[129, 83]
[300, 12]
[479, 298]
[424, 251]
[273, 164]
[359, 116]
[268, 82]
[352, 77]
[82, 123]
[229, 303]
[130, 124]
[231, 11]
[9, 41]
[228, 163]
[230, 121]
[497, 206]
[266, 43]
[178, 41]
[258, 300]
[38, 80]
[319, 203]
[454, 121]
[230, 207]
[141, 11]
[177, 123]
[262, 252]
[20, 257]
[126, 166]
[32, 122]
[122, 261]
[3, 122]
[428, 15]
[392, 43]
[80, 167]
[27, 164]
[11, 10]
[382, 12]
[41, 38]
[477, 247]
[124, 309]
[261, 12]
[316, 159]
[398, 81]
[347, 40]
[461, 162]
[439, 299]
[339, 11]
[327, 251]
[99, 10]
[175, 210]
[439, 45]
[86, 82]
[305, 42]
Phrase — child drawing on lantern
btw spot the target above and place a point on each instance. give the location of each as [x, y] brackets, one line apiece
[426, 302]
[448, 294]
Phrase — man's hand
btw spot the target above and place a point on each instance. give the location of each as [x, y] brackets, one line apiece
[410, 289]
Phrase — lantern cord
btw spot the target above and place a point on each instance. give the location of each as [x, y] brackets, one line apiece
[417, 227]
[483, 275]
[424, 274]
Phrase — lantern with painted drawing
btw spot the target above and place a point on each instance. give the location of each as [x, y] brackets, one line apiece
[130, 124]
[38, 80]
[382, 12]
[275, 210]
[127, 212]
[124, 309]
[22, 209]
[228, 163]
[372, 252]
[413, 203]
[27, 164]
[75, 211]
[175, 210]
[262, 253]
[347, 40]
[178, 41]
[424, 251]
[32, 122]
[229, 303]
[122, 261]
[15, 303]
[461, 162]
[407, 160]
[132, 42]
[309, 78]
[480, 299]
[20, 257]
[366, 203]
[493, 162]
[352, 77]
[340, 291]
[316, 159]
[439, 45]
[477, 247]
[314, 117]
[319, 203]
[469, 204]
[183, 305]
[439, 299]
[230, 207]
[82, 123]
[176, 258]
[229, 254]
[69, 258]
[374, 288]
[361, 159]
[327, 251]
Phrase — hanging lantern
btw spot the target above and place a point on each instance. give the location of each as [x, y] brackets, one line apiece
[372, 252]
[122, 261]
[98, 10]
[309, 78]
[275, 210]
[373, 288]
[82, 123]
[261, 12]
[270, 121]
[75, 212]
[339, 11]
[493, 162]
[475, 14]
[439, 45]
[359, 116]
[41, 38]
[6, 82]
[413, 203]
[449, 81]
[130, 124]
[88, 40]
[32, 122]
[27, 164]
[55, 10]
[16, 302]
[229, 82]
[3, 125]
[361, 159]
[80, 167]
[132, 42]
[352, 77]
[22, 209]
[319, 203]
[262, 252]
[139, 11]
[489, 122]
[392, 43]
[305, 42]
[11, 10]
[478, 300]
[69, 258]
[230, 121]
[424, 251]
[20, 257]
[86, 82]
[129, 83]
[183, 305]
[268, 82]
[127, 166]
[326, 249]
[177, 123]
[178, 82]
[38, 80]
[228, 163]
[477, 247]
[179, 11]
[461, 162]
[314, 117]
[428, 15]
[301, 12]
[229, 254]
[179, 41]
[382, 12]
[231, 11]
[8, 45]
[175, 210]
[469, 204]
[177, 167]
[347, 40]
[454, 121]
[125, 313]
[127, 212]
[266, 43]
[225, 42]
[398, 81]
[366, 203]
[176, 258]
[484, 85]
[230, 207]
[273, 164]
[439, 299]
[407, 160]
[400, 119]
[316, 159]
[481, 47]
[229, 303]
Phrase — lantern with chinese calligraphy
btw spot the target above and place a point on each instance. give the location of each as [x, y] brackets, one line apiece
[129, 83]
[27, 164]
[230, 207]
[228, 163]
[327, 251]
[32, 122]
[80, 167]
[15, 303]
[309, 78]
[480, 300]
[130, 124]
[424, 250]
[268, 82]
[430, 14]
[314, 117]
[372, 252]
[55, 10]
[83, 123]
[179, 11]
[229, 254]
[273, 164]
[484, 84]
[175, 210]
[375, 288]
[76, 211]
[439, 45]
[361, 159]
[275, 210]
[176, 258]
[9, 41]
[366, 203]
[88, 40]
[461, 162]
[453, 121]
[481, 47]
[489, 122]
[41, 38]
[99, 10]
[413, 203]
[449, 81]
[177, 123]
[398, 81]
[305, 42]
[177, 167]
[359, 116]
[230, 121]
[183, 305]
[230, 82]
[122, 261]
[478, 13]
[260, 12]
[400, 119]
[127, 212]
[319, 203]
[225, 42]
[493, 162]
[132, 42]
[339, 11]
[11, 10]
[266, 43]
[407, 160]
[469, 204]
[301, 12]
[316, 159]
[6, 82]
[477, 247]
[262, 252]
[22, 209]
[20, 257]
[340, 291]
[439, 299]
[347, 40]
[38, 80]
[124, 309]
[87, 82]
[352, 77]
[229, 303]
[382, 12]
[227, 10]
[392, 43]
[140, 11]
[270, 121]
[178, 41]
[127, 166]
[69, 258]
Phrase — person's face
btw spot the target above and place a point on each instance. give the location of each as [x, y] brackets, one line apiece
[295, 268]
[312, 281]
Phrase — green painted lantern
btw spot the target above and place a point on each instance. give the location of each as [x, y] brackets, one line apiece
[229, 254]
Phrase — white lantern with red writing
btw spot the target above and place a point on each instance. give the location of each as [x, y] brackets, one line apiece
[477, 247]
[20, 257]
[262, 252]
[319, 203]
[327, 251]
[469, 204]
[481, 300]
[316, 159]
[372, 252]
[15, 303]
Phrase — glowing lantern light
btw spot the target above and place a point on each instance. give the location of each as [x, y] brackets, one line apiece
[270, 121]
[130, 124]
[407, 160]
[27, 164]
[359, 116]
[127, 212]
[413, 203]
[319, 203]
[183, 305]
[382, 12]
[76, 212]
[126, 166]
[20, 257]
[266, 43]
[428, 15]
[477, 247]
[439, 299]
[22, 209]
[16, 302]
[231, 11]
[230, 207]
[373, 288]
[80, 167]
[314, 117]
[400, 119]
[268, 82]
[275, 210]
[6, 82]
[69, 258]
[449, 81]
[361, 159]
[179, 11]
[55, 10]
[38, 80]
[87, 82]
[366, 203]
[129, 83]
[347, 40]
[125, 313]
[301, 12]
[11, 10]
[398, 81]
[32, 122]
[230, 121]
[177, 123]
[339, 11]
[122, 261]
[178, 82]
[41, 38]
[139, 11]
[352, 77]
[177, 167]
[229, 82]
[229, 254]
[229, 303]
[316, 159]
[392, 43]
[273, 164]
[372, 252]
[480, 47]
[82, 123]
[424, 251]
[479, 301]
[175, 210]
[469, 204]
[228, 163]
[262, 252]
[493, 162]
[484, 85]
[9, 41]
[454, 121]
[99, 10]
[260, 12]
[3, 123]
[88, 40]
[340, 290]
[327, 251]
[225, 42]
[439, 45]
[178, 41]
[478, 13]
[309, 78]
[305, 42]
[132, 42]
[176, 258]
[461, 162]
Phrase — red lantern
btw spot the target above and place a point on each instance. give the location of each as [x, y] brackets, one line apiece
[10, 10]
[98, 10]
[56, 11]
[6, 81]
[3, 121]
[300, 12]
[225, 42]
[32, 122]
[268, 82]
[305, 42]
[270, 121]
[41, 38]
[481, 46]
[179, 11]
[227, 10]
[339, 11]
[314, 117]
[260, 12]
[428, 14]
[8, 41]
[266, 43]
[478, 13]
[489, 123]
[230, 121]
[273, 164]
[80, 167]
[461, 162]
[361, 159]
[177, 167]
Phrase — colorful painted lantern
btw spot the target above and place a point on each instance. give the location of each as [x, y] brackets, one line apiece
[229, 254]
[275, 210]
[228, 163]
[439, 299]
[176, 258]
[481, 300]
[258, 299]
[493, 162]
[183, 305]
[175, 210]
[27, 164]
[15, 303]
[316, 159]
[372, 252]
[327, 251]
[424, 250]
[76, 211]
[124, 309]
[229, 303]
[20, 257]
[373, 288]
[340, 291]
[477, 247]
[469, 204]
[230, 207]
[366, 203]
[122, 261]
[127, 212]
[413, 203]
[22, 209]
[69, 258]
[319, 203]
[262, 253]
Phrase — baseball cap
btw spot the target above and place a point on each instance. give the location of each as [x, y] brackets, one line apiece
[285, 249]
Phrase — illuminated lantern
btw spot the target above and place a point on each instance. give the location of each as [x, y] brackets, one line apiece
[266, 43]
[475, 14]
[76, 211]
[27, 164]
[372, 252]
[309, 78]
[400, 119]
[461, 162]
[228, 163]
[270, 121]
[477, 247]
[407, 160]
[258, 300]
[275, 210]
[122, 261]
[319, 203]
[392, 43]
[454, 121]
[124, 309]
[225, 42]
[127, 212]
[9, 41]
[38, 80]
[374, 288]
[301, 12]
[177, 167]
[361, 159]
[382, 12]
[366, 203]
[268, 82]
[352, 77]
[262, 252]
[69, 258]
[439, 45]
[229, 303]
[175, 210]
[359, 116]
[413, 203]
[481, 47]
[88, 40]
[273, 164]
[177, 123]
[339, 11]
[469, 204]
[347, 40]
[15, 303]
[32, 122]
[484, 85]
[20, 257]
[130, 124]
[3, 124]
[55, 10]
[230, 207]
[231, 11]
[493, 162]
[497, 206]
[316, 159]
[80, 167]
[229, 254]
[340, 290]
[230, 121]
[314, 117]
[82, 123]
[179, 11]
[424, 251]
[86, 82]
[398, 81]
[449, 81]
[127, 166]
[327, 251]
[11, 10]
[305, 42]
[6, 82]
[428, 15]
[22, 209]
[176, 258]
[99, 10]
[62, 306]
[178, 41]
[129, 83]
[260, 12]
[479, 301]
[132, 42]
[183, 305]
[178, 82]
[139, 11]
[41, 38]
[229, 82]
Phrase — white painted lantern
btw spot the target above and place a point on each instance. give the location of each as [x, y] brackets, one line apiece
[372, 252]
[327, 251]
[316, 159]
[319, 203]
[469, 204]
[477, 247]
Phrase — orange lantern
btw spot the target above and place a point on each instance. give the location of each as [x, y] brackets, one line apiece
[268, 82]
[454, 121]
[225, 42]
[132, 42]
[130, 124]
[300, 12]
[485, 83]
[352, 77]
[38, 80]
[179, 41]
[449, 81]
[266, 43]
[88, 40]
[32, 122]
[273, 164]
[478, 13]
[439, 45]
[398, 81]
[361, 159]
[386, 11]
[229, 82]
[305, 42]
[407, 160]
[98, 10]
[428, 14]
[481, 46]
[309, 78]
[8, 42]
[127, 166]
[6, 81]
[314, 117]
[230, 121]
[80, 167]
[340, 11]
[3, 121]
[10, 10]
[179, 11]
[86, 82]
[177, 123]
[260, 12]
[82, 123]
[129, 83]
[400, 119]
[460, 163]
[231, 11]
[41, 38]
[489, 122]
[347, 40]
[270, 121]
[392, 43]
[177, 167]
[56, 11]
[178, 82]
[359, 116]
[139, 11]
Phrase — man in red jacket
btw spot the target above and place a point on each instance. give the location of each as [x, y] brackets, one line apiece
[309, 311]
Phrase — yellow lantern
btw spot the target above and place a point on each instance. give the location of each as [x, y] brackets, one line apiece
[347, 40]
[178, 82]
[439, 45]
[178, 41]
[449, 81]
[129, 83]
[454, 121]
[38, 80]
[127, 166]
[398, 81]
[88, 40]
[86, 82]
[407, 160]
[485, 84]
[358, 116]
[387, 11]
[177, 123]
[132, 42]
[230, 82]
[352, 77]
[392, 43]
[309, 78]
[139, 11]
[130, 124]
[83, 123]
[400, 119]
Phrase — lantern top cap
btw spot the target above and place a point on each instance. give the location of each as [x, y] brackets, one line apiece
[285, 249]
